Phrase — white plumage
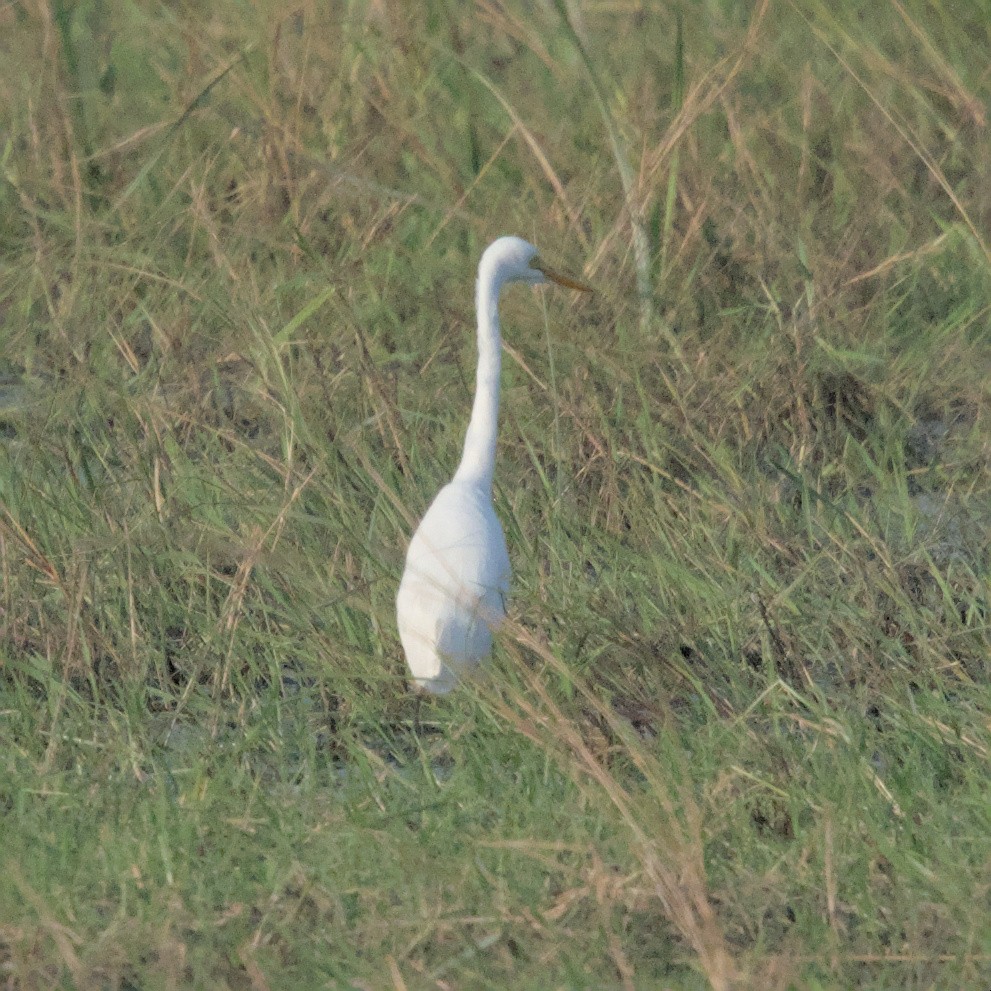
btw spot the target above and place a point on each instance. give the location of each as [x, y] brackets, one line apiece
[454, 587]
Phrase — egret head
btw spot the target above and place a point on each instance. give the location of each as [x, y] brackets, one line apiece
[511, 259]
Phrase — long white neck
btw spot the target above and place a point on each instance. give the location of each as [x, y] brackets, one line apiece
[478, 461]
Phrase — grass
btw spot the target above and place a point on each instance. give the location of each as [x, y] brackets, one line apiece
[737, 731]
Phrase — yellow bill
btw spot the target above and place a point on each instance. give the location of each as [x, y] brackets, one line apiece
[559, 277]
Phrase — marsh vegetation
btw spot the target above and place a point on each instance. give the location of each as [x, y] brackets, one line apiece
[737, 730]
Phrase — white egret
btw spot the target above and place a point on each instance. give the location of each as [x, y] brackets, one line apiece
[453, 590]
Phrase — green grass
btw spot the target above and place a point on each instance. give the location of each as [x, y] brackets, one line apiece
[737, 731]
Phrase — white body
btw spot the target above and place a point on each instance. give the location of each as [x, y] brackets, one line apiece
[453, 590]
